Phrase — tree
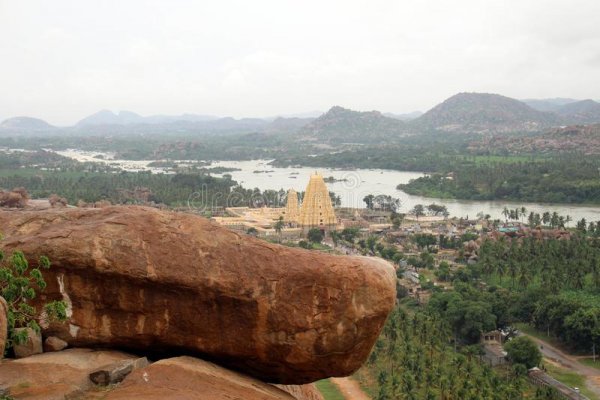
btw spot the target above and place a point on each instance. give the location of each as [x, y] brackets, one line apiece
[279, 227]
[315, 235]
[369, 201]
[18, 284]
[522, 350]
[438, 209]
[418, 210]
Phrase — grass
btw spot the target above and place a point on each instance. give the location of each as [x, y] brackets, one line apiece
[531, 331]
[571, 379]
[329, 390]
[590, 362]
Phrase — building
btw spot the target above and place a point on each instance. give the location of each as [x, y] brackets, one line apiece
[292, 210]
[317, 210]
[494, 353]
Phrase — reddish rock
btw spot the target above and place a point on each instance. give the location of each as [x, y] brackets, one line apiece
[193, 379]
[55, 376]
[53, 343]
[33, 344]
[140, 278]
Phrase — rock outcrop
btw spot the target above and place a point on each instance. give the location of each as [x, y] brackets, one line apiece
[193, 379]
[142, 279]
[56, 375]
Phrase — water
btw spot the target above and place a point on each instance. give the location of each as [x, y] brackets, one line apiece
[353, 186]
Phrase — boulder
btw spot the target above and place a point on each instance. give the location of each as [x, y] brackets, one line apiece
[193, 379]
[57, 375]
[3, 326]
[114, 373]
[52, 343]
[140, 278]
[33, 344]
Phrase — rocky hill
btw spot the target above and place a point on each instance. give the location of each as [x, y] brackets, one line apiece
[583, 139]
[580, 112]
[485, 113]
[341, 125]
[548, 105]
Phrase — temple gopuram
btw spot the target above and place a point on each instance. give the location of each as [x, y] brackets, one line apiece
[315, 211]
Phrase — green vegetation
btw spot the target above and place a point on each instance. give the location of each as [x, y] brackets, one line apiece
[414, 358]
[315, 235]
[570, 379]
[19, 285]
[522, 350]
[567, 179]
[329, 390]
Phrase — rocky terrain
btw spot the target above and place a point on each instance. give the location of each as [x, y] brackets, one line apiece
[485, 113]
[163, 284]
[583, 139]
[344, 125]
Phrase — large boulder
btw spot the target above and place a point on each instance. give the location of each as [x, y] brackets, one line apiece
[193, 379]
[157, 281]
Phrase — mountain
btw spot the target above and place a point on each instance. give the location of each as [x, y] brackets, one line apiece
[404, 117]
[485, 113]
[341, 125]
[25, 124]
[580, 112]
[548, 105]
[107, 117]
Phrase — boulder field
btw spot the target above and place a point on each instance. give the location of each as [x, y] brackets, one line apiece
[166, 283]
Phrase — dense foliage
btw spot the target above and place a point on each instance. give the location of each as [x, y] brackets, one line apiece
[560, 180]
[414, 359]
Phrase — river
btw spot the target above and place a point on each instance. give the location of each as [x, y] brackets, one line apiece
[352, 186]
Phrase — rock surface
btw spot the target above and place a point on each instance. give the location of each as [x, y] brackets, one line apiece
[53, 343]
[33, 344]
[56, 375]
[140, 278]
[193, 379]
[3, 326]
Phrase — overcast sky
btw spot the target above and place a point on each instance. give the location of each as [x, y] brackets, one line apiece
[61, 60]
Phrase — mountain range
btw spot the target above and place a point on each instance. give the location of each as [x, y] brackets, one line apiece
[462, 113]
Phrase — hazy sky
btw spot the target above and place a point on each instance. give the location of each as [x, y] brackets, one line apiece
[61, 60]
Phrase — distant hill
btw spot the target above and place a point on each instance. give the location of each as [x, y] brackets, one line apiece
[107, 117]
[25, 124]
[485, 113]
[580, 112]
[548, 105]
[287, 125]
[405, 117]
[341, 125]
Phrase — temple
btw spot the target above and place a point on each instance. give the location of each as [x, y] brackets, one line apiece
[313, 210]
[317, 210]
[292, 210]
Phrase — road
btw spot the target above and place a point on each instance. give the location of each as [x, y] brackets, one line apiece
[592, 375]
[350, 388]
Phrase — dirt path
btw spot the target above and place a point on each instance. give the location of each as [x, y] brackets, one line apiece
[350, 388]
[592, 375]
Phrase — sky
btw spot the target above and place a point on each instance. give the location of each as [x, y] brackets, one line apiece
[62, 60]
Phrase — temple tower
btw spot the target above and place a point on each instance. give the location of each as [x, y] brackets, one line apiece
[292, 211]
[317, 210]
